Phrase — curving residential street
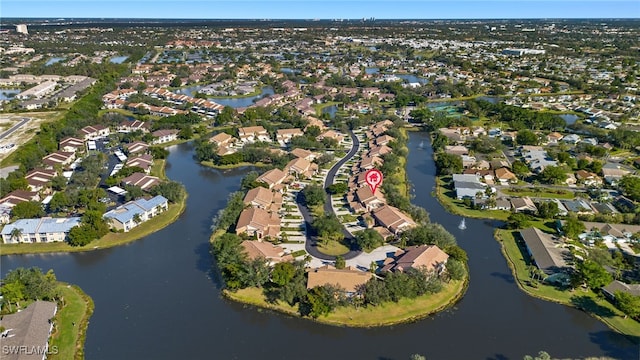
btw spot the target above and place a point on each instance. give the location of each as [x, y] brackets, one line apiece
[310, 244]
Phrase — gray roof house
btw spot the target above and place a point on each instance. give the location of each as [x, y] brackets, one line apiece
[615, 286]
[124, 217]
[29, 329]
[467, 185]
[546, 252]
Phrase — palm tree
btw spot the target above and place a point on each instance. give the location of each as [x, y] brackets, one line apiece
[137, 219]
[16, 234]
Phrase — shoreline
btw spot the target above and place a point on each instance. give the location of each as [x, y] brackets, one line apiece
[411, 310]
[499, 236]
[60, 340]
[111, 239]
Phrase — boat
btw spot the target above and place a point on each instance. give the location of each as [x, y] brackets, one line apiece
[462, 225]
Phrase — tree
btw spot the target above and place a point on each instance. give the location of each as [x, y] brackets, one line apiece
[430, 234]
[517, 221]
[314, 195]
[226, 116]
[519, 169]
[340, 262]
[630, 186]
[628, 304]
[172, 190]
[455, 269]
[282, 273]
[133, 192]
[158, 152]
[338, 188]
[548, 209]
[13, 292]
[27, 210]
[594, 275]
[527, 137]
[58, 183]
[369, 239]
[59, 202]
[176, 82]
[553, 175]
[328, 227]
[16, 234]
[448, 164]
[573, 227]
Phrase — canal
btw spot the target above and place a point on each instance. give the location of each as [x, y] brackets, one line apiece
[157, 298]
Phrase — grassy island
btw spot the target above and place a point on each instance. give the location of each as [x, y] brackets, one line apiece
[72, 321]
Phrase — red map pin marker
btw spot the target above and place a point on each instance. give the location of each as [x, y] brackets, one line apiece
[373, 178]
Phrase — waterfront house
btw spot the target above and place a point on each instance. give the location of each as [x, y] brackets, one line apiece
[456, 150]
[40, 230]
[348, 279]
[164, 136]
[523, 205]
[368, 200]
[251, 134]
[393, 219]
[301, 168]
[141, 180]
[131, 126]
[142, 161]
[618, 286]
[274, 254]
[127, 216]
[272, 178]
[258, 223]
[284, 136]
[28, 331]
[222, 139]
[468, 185]
[546, 252]
[304, 154]
[263, 198]
[136, 147]
[421, 257]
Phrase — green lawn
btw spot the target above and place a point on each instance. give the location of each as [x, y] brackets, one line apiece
[555, 194]
[586, 300]
[109, 240]
[386, 314]
[332, 247]
[232, 166]
[447, 198]
[157, 169]
[71, 322]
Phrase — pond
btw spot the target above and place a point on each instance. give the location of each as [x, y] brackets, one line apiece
[409, 78]
[8, 94]
[234, 102]
[118, 59]
[331, 110]
[287, 70]
[371, 70]
[569, 118]
[53, 60]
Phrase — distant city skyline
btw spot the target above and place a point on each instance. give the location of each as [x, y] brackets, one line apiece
[316, 9]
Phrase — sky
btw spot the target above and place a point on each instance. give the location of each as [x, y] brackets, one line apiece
[319, 9]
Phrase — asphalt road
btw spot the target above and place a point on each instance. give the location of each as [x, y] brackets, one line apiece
[312, 237]
[14, 128]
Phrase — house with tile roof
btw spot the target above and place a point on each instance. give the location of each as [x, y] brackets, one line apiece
[18, 196]
[284, 136]
[258, 223]
[94, 132]
[136, 147]
[263, 198]
[141, 180]
[145, 162]
[272, 177]
[164, 136]
[393, 219]
[38, 179]
[61, 158]
[274, 254]
[420, 257]
[301, 168]
[251, 134]
[71, 144]
[348, 279]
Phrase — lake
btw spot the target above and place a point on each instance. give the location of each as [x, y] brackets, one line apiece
[230, 101]
[157, 298]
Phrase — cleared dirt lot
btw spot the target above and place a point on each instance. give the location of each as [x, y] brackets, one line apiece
[24, 132]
